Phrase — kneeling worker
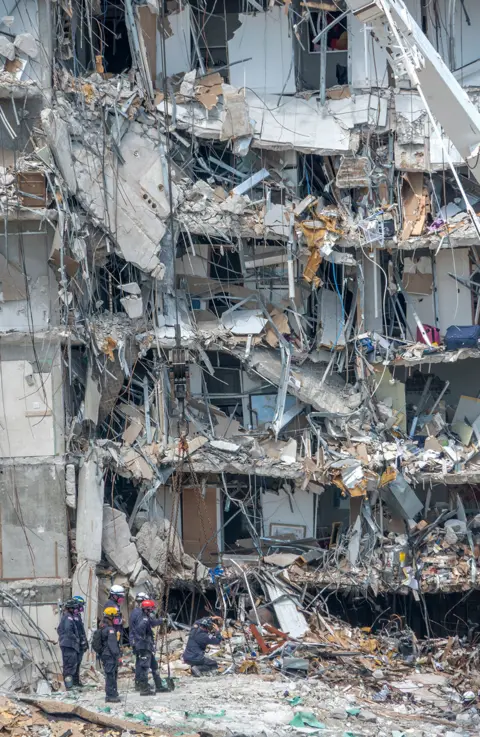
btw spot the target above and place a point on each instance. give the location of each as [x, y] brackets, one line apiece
[203, 633]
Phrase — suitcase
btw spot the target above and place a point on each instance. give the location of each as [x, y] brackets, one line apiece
[432, 333]
[462, 336]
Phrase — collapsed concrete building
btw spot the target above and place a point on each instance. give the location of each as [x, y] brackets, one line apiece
[232, 246]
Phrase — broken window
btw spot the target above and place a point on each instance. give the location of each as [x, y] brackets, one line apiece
[322, 48]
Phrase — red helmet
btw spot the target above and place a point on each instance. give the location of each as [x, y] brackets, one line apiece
[148, 604]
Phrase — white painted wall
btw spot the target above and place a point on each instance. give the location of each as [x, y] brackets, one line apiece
[177, 47]
[466, 38]
[367, 59]
[276, 508]
[41, 310]
[454, 300]
[264, 37]
[26, 411]
[190, 265]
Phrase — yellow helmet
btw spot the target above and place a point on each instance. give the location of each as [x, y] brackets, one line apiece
[110, 611]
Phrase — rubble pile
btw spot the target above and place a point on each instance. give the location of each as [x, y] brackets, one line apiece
[345, 678]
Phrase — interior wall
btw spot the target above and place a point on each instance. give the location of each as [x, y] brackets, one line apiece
[276, 509]
[26, 411]
[177, 45]
[40, 310]
[465, 35]
[367, 60]
[453, 299]
[462, 375]
[332, 508]
[265, 37]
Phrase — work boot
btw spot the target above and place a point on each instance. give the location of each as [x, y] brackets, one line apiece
[78, 684]
[68, 680]
[159, 685]
[113, 700]
[145, 689]
[138, 685]
[196, 672]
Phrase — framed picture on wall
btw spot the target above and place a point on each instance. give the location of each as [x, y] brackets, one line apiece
[287, 532]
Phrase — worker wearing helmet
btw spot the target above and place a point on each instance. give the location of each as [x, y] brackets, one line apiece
[115, 600]
[69, 641]
[110, 653]
[145, 648]
[77, 618]
[204, 632]
[135, 617]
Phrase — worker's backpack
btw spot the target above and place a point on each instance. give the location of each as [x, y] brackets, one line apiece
[97, 641]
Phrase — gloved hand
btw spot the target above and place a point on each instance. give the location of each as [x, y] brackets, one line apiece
[83, 646]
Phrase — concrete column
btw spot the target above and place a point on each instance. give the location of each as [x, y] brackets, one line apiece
[90, 512]
[89, 538]
[373, 291]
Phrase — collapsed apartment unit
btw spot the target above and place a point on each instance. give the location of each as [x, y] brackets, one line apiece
[234, 239]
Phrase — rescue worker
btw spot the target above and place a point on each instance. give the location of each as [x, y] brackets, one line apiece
[69, 641]
[77, 617]
[115, 600]
[135, 617]
[145, 648]
[110, 653]
[203, 633]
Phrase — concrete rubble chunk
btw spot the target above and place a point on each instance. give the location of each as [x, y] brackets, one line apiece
[58, 139]
[70, 486]
[119, 550]
[25, 43]
[7, 49]
[152, 548]
[130, 202]
[133, 306]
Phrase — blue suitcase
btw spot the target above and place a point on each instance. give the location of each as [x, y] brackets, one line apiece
[458, 336]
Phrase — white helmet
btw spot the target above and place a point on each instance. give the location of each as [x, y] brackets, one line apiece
[117, 590]
[141, 596]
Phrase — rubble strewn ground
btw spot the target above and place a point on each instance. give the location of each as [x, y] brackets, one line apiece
[336, 680]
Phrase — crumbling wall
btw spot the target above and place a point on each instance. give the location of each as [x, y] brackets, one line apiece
[29, 616]
[34, 540]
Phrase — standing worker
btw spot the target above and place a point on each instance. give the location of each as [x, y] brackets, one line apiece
[77, 618]
[109, 651]
[135, 617]
[116, 598]
[69, 641]
[203, 633]
[145, 648]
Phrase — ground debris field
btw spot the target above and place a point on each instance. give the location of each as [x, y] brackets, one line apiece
[337, 680]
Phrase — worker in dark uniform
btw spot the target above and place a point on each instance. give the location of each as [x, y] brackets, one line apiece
[69, 641]
[145, 648]
[77, 617]
[203, 633]
[116, 598]
[110, 654]
[135, 617]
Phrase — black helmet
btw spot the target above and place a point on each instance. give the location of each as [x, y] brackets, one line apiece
[206, 622]
[71, 604]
